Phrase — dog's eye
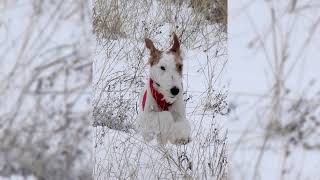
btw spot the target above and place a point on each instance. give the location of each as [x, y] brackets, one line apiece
[162, 68]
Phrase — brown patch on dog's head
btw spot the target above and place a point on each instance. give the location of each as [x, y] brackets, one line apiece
[179, 67]
[175, 50]
[155, 54]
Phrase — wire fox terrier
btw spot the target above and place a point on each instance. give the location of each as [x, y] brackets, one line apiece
[162, 112]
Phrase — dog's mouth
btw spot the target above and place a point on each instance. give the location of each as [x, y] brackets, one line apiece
[167, 95]
[171, 99]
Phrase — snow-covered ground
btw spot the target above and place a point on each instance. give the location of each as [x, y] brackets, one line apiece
[119, 154]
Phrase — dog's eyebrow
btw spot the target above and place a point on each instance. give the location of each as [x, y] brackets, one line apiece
[179, 67]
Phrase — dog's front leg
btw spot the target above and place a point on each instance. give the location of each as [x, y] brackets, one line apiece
[181, 130]
[159, 124]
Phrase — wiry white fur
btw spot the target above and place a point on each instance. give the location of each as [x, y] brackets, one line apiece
[169, 125]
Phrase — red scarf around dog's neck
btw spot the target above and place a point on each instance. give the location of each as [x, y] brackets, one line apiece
[157, 96]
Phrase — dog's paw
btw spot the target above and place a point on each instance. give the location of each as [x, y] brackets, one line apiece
[148, 136]
[180, 133]
[161, 140]
[182, 141]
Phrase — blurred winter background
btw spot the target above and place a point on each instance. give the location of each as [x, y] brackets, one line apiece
[45, 79]
[274, 124]
[254, 107]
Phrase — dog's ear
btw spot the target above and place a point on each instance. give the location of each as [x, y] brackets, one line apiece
[150, 46]
[176, 44]
[154, 52]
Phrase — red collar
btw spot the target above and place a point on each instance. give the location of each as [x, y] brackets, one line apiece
[157, 96]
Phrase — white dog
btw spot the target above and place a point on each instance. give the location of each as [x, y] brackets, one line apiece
[162, 109]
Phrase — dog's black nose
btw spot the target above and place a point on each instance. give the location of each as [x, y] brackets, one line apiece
[174, 91]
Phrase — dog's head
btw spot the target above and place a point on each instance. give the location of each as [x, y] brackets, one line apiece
[166, 69]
